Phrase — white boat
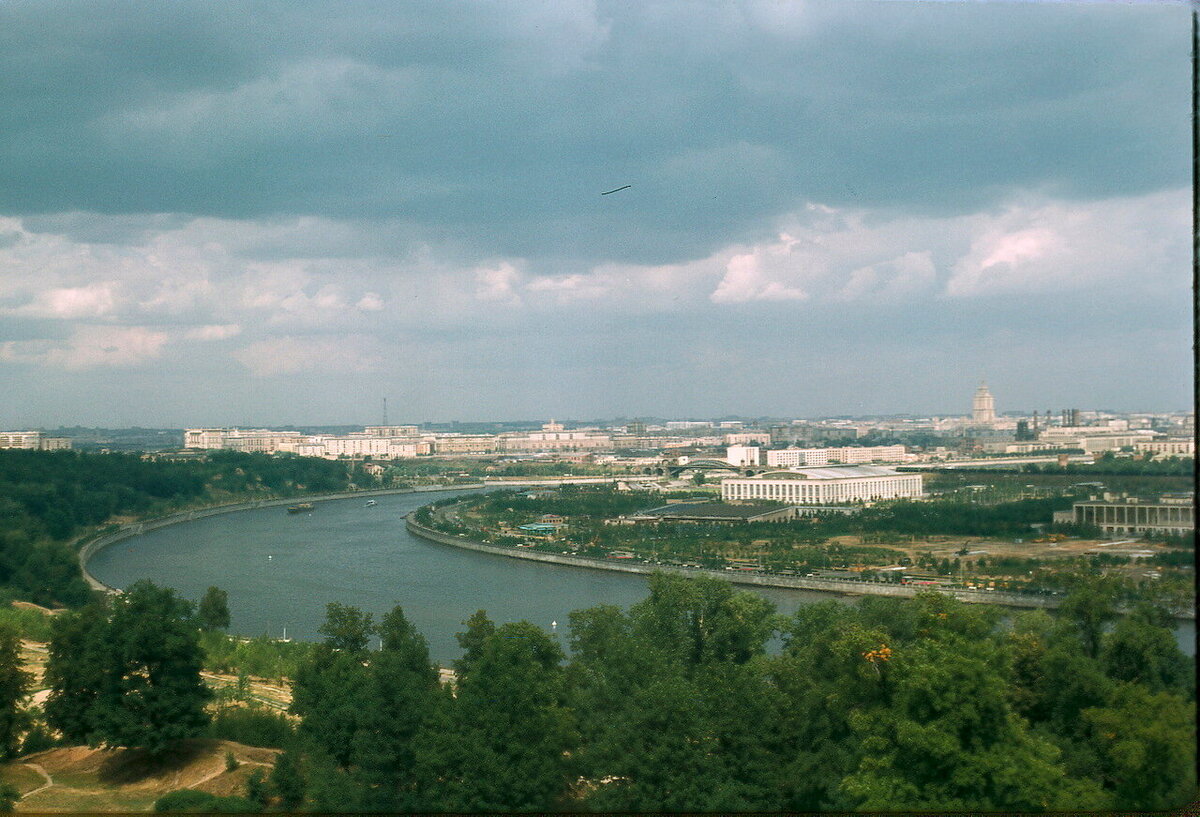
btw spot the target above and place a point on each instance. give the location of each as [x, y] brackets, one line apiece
[371, 503]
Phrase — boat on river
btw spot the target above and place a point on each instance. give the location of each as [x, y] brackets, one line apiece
[371, 503]
[301, 508]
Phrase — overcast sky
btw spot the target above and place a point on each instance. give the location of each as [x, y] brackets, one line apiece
[277, 213]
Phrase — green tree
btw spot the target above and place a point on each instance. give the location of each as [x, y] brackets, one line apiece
[346, 628]
[258, 790]
[152, 694]
[329, 693]
[287, 780]
[1141, 651]
[13, 684]
[948, 740]
[76, 671]
[1146, 745]
[1089, 607]
[501, 744]
[9, 797]
[480, 628]
[402, 688]
[695, 620]
[213, 611]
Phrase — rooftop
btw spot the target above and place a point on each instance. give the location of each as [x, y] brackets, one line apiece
[833, 472]
[711, 510]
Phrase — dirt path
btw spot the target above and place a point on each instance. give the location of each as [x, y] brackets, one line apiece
[49, 780]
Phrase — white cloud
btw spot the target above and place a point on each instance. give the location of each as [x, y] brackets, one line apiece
[1060, 246]
[67, 303]
[1030, 247]
[749, 278]
[90, 347]
[213, 332]
[370, 302]
[188, 282]
[498, 283]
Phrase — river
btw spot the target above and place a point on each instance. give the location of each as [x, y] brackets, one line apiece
[281, 569]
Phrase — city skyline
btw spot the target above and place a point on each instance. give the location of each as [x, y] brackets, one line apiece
[816, 209]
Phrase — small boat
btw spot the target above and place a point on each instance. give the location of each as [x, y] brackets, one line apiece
[371, 503]
[301, 508]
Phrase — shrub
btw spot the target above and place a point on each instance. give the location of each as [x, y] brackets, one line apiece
[191, 800]
[253, 727]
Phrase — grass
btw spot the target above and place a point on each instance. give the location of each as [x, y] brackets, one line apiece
[98, 780]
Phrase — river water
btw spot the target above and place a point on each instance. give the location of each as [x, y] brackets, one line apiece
[281, 569]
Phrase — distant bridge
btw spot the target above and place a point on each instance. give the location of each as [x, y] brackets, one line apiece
[704, 465]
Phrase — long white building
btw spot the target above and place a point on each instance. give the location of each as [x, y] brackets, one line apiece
[33, 441]
[846, 455]
[824, 486]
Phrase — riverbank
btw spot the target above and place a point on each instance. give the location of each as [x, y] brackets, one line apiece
[92, 543]
[845, 587]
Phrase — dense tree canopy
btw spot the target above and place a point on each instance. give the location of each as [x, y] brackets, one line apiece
[128, 674]
[675, 704]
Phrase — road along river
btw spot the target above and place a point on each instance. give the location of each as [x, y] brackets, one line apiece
[281, 569]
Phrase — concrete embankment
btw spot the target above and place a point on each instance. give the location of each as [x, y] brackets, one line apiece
[91, 544]
[843, 587]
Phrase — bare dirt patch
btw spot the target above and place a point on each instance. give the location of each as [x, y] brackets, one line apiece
[84, 779]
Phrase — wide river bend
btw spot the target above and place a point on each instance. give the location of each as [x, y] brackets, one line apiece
[281, 569]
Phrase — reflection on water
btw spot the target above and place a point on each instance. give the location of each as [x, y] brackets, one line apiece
[281, 570]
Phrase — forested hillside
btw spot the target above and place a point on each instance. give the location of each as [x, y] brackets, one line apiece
[675, 705]
[49, 497]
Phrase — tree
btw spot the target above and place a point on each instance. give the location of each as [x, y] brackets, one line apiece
[502, 744]
[1138, 650]
[288, 781]
[9, 797]
[330, 693]
[705, 743]
[1146, 745]
[347, 628]
[1090, 605]
[152, 695]
[13, 683]
[258, 791]
[479, 629]
[402, 686]
[76, 671]
[213, 612]
[948, 740]
[694, 620]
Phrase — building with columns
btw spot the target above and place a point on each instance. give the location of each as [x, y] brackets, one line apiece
[1129, 516]
[824, 486]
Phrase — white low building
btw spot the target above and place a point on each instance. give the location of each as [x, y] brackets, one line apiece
[846, 455]
[260, 440]
[822, 486]
[1172, 447]
[33, 441]
[742, 455]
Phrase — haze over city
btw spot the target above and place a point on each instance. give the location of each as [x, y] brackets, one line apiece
[209, 217]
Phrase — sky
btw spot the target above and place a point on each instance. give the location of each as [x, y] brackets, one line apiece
[284, 212]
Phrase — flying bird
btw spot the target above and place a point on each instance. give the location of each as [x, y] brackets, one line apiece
[618, 190]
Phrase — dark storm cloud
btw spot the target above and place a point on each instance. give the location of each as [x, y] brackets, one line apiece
[499, 124]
